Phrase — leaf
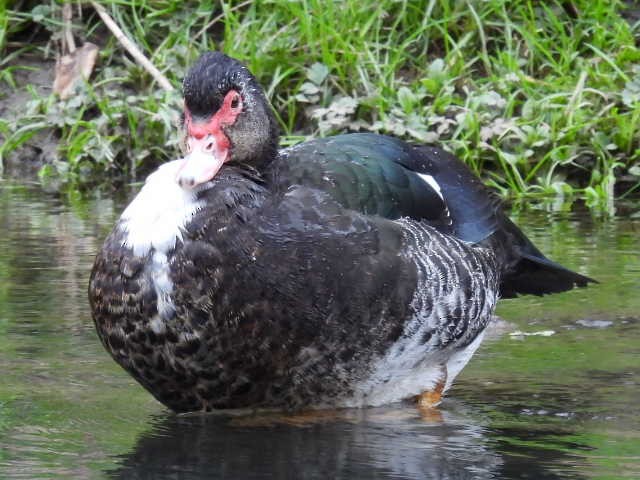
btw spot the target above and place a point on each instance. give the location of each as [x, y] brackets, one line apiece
[405, 98]
[308, 88]
[436, 69]
[635, 170]
[344, 105]
[442, 124]
[337, 115]
[491, 99]
[317, 73]
[496, 128]
[510, 158]
[409, 99]
[72, 68]
[308, 93]
[41, 12]
[631, 91]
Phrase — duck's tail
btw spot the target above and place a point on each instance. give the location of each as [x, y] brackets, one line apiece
[525, 270]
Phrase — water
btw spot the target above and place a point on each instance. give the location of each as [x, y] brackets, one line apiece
[528, 406]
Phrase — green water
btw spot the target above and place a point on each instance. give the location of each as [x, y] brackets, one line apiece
[528, 406]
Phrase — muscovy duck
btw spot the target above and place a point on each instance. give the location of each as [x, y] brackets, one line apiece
[347, 271]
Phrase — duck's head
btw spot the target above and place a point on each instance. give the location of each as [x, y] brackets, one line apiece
[227, 118]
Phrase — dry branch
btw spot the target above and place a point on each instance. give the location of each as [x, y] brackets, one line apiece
[68, 34]
[132, 48]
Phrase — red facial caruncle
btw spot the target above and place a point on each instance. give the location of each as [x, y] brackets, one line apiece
[207, 144]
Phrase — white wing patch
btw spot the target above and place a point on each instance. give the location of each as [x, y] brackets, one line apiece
[432, 183]
[159, 213]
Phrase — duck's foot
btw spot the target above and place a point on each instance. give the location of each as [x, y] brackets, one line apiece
[430, 399]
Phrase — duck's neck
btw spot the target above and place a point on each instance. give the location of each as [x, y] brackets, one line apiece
[256, 139]
[262, 155]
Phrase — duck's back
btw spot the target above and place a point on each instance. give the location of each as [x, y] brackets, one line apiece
[385, 176]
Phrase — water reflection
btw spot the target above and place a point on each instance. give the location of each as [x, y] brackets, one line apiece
[395, 442]
[564, 406]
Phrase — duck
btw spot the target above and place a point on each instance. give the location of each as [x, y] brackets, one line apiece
[349, 271]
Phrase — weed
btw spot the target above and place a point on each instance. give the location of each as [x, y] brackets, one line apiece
[541, 98]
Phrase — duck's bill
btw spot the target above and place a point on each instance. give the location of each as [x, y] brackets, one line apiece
[199, 167]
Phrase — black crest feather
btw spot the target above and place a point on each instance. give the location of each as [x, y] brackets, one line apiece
[210, 78]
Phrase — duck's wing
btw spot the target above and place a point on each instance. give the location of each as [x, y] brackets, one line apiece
[383, 176]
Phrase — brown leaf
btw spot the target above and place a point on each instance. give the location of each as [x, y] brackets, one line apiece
[71, 68]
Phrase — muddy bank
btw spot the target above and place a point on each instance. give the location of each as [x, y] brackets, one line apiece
[36, 74]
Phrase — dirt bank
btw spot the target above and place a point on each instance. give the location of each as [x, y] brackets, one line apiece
[36, 74]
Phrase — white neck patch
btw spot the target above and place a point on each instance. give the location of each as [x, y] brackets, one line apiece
[158, 214]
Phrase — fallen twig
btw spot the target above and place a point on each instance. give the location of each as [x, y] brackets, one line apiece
[68, 34]
[131, 48]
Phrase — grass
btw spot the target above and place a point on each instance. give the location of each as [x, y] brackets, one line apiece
[541, 98]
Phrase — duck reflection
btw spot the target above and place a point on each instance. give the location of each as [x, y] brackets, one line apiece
[378, 443]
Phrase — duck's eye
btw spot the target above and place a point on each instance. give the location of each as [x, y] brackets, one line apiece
[235, 102]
